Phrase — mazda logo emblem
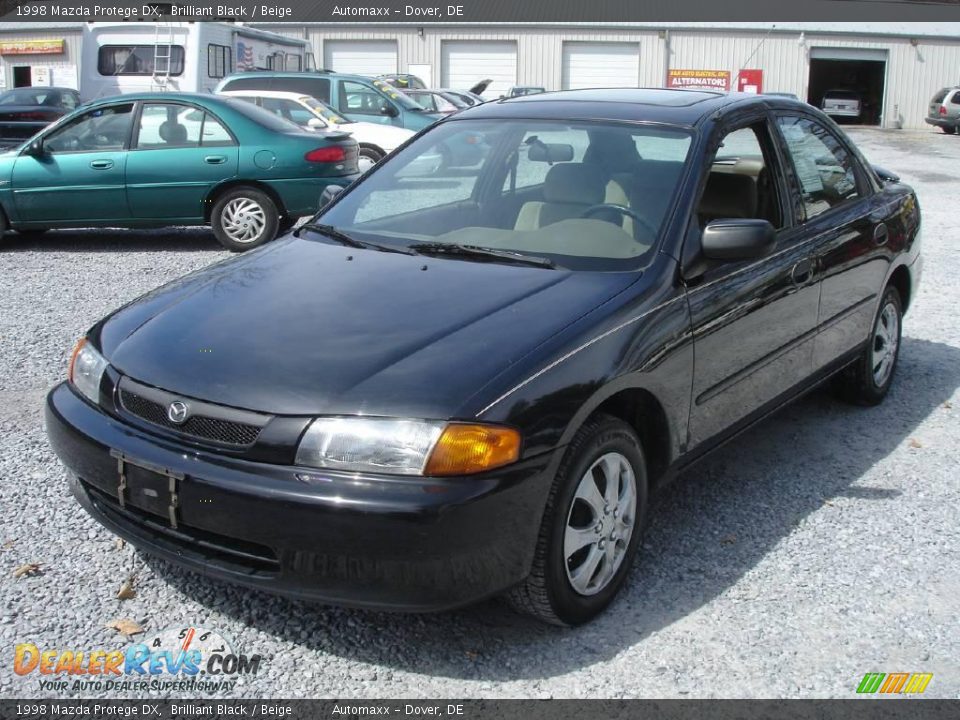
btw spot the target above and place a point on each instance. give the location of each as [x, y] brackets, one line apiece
[178, 412]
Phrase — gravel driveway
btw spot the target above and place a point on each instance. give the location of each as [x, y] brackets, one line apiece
[816, 548]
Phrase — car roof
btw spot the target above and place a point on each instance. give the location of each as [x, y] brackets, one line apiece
[281, 94]
[159, 96]
[297, 74]
[680, 107]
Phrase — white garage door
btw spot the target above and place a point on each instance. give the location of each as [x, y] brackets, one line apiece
[847, 53]
[592, 65]
[465, 63]
[360, 57]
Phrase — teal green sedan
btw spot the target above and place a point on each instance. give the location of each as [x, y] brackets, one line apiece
[158, 159]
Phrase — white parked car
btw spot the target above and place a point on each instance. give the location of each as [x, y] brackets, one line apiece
[842, 103]
[375, 140]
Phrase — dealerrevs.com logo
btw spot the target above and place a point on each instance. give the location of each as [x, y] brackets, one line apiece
[179, 658]
[900, 683]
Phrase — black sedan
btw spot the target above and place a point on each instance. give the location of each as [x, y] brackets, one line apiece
[462, 381]
[26, 111]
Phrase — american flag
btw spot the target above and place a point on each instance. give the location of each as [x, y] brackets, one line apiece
[245, 57]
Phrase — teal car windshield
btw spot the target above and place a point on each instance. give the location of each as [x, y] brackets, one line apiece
[581, 195]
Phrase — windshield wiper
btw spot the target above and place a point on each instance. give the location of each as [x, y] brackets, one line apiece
[341, 237]
[481, 253]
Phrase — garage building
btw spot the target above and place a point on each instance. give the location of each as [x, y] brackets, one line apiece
[895, 67]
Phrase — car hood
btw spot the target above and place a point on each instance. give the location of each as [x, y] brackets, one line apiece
[303, 327]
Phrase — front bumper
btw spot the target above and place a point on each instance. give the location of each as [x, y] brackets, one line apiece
[412, 544]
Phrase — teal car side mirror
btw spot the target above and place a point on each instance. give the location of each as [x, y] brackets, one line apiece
[35, 148]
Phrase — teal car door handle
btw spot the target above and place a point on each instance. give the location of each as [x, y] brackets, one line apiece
[215, 159]
[101, 164]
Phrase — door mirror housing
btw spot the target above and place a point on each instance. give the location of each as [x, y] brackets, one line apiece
[389, 110]
[316, 123]
[328, 194]
[738, 239]
[34, 148]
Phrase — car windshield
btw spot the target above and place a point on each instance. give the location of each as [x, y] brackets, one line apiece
[582, 195]
[398, 97]
[30, 96]
[262, 117]
[324, 111]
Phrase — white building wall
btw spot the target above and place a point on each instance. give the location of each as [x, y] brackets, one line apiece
[69, 59]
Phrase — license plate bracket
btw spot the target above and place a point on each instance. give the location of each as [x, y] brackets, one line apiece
[147, 486]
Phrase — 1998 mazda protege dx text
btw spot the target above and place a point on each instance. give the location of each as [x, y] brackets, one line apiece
[458, 381]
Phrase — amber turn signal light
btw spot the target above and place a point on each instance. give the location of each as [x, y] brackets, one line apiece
[464, 449]
[73, 357]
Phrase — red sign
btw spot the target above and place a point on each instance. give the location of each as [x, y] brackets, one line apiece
[699, 79]
[750, 81]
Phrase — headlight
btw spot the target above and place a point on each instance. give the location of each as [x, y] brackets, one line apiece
[406, 447]
[86, 370]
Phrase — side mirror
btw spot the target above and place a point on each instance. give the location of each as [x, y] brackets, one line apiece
[738, 239]
[389, 110]
[328, 194]
[316, 123]
[35, 148]
[885, 174]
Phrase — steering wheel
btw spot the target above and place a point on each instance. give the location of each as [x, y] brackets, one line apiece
[642, 221]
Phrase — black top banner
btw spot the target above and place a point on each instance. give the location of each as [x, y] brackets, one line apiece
[425, 12]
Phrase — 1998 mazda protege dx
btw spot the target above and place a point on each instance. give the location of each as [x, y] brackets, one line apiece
[465, 380]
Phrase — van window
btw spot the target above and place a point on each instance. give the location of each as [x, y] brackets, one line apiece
[219, 60]
[140, 59]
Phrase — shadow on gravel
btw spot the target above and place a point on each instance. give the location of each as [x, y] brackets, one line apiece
[706, 531]
[177, 239]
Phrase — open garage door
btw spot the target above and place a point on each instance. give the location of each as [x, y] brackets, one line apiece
[360, 57]
[861, 71]
[465, 63]
[600, 65]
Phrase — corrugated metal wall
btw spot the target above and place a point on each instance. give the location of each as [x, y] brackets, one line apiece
[913, 73]
[71, 55]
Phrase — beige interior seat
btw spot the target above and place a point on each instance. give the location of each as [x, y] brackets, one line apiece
[568, 190]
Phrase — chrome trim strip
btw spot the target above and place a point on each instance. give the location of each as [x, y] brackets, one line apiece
[573, 352]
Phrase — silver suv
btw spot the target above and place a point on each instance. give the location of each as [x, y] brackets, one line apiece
[841, 103]
[944, 110]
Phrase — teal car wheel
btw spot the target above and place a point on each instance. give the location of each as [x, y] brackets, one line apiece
[245, 218]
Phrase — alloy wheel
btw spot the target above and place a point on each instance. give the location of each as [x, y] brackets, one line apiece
[600, 523]
[886, 335]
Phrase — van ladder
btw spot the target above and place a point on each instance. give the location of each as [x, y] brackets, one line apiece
[162, 55]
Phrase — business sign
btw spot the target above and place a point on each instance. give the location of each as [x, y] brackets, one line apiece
[31, 47]
[699, 79]
[750, 81]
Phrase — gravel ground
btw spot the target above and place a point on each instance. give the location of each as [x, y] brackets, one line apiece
[814, 549]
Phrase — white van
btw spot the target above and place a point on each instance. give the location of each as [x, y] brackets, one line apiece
[178, 56]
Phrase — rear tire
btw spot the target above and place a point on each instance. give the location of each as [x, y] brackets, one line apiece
[368, 157]
[244, 218]
[867, 380]
[590, 529]
[949, 130]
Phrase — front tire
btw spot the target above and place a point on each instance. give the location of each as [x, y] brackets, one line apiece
[867, 381]
[244, 218]
[591, 527]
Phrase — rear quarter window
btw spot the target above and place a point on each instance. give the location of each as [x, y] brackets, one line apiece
[941, 94]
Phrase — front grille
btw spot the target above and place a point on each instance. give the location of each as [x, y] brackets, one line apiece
[199, 426]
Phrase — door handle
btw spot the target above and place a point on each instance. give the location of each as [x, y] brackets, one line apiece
[802, 271]
[881, 234]
[215, 159]
[101, 164]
